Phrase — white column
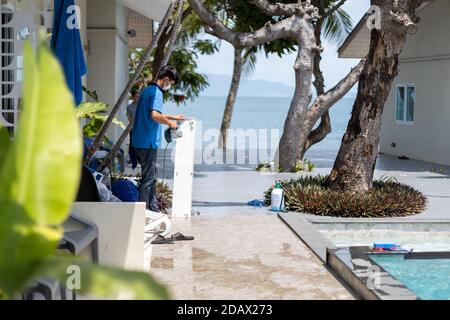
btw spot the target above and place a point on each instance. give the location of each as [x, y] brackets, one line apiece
[184, 170]
[107, 56]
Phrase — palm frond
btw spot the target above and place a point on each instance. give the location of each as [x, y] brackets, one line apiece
[249, 61]
[337, 26]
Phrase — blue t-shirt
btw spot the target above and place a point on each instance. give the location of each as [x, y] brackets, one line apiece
[146, 132]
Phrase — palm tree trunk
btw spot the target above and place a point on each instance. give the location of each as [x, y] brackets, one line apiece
[231, 99]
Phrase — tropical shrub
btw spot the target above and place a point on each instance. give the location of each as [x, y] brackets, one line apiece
[39, 174]
[164, 195]
[95, 114]
[304, 166]
[388, 198]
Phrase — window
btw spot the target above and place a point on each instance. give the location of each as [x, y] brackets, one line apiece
[405, 103]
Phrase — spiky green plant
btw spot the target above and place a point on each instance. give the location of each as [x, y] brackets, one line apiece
[387, 199]
[164, 196]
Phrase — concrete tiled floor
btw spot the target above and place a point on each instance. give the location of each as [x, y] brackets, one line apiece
[245, 256]
[245, 253]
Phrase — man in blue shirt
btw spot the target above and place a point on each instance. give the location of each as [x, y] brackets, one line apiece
[146, 134]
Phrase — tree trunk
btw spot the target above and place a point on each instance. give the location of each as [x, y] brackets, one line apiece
[231, 99]
[296, 126]
[175, 31]
[298, 23]
[324, 128]
[355, 164]
[159, 53]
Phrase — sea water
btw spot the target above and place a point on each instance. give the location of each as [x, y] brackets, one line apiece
[266, 113]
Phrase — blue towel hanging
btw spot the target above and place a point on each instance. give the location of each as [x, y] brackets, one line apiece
[67, 47]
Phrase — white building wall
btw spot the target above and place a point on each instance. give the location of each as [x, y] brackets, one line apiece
[425, 61]
[107, 58]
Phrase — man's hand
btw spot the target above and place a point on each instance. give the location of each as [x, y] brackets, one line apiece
[170, 121]
[178, 117]
[172, 125]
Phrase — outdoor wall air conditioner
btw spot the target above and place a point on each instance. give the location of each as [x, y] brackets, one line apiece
[19, 21]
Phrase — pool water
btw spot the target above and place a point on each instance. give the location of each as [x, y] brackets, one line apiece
[426, 237]
[429, 279]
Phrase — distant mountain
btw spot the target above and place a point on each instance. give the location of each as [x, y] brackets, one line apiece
[220, 84]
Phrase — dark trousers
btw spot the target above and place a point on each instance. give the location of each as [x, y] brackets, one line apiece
[147, 189]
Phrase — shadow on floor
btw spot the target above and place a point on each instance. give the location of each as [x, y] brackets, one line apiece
[217, 204]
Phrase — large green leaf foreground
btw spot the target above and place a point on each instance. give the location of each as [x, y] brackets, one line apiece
[39, 174]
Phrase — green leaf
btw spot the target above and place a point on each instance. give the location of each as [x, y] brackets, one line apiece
[104, 282]
[91, 128]
[23, 247]
[5, 143]
[91, 93]
[39, 178]
[338, 26]
[104, 117]
[205, 47]
[87, 109]
[92, 111]
[42, 170]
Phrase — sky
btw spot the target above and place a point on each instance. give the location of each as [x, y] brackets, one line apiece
[278, 69]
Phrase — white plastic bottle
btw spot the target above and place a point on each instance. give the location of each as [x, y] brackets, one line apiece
[277, 199]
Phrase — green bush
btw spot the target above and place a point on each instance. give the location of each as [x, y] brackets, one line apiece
[388, 198]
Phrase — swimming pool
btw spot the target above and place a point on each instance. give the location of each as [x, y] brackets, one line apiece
[428, 278]
[420, 237]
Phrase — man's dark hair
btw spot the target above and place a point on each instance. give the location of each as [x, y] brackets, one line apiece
[134, 91]
[169, 72]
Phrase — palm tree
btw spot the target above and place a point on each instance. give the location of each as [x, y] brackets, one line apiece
[244, 62]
